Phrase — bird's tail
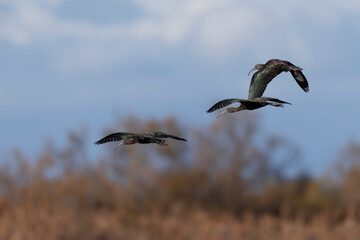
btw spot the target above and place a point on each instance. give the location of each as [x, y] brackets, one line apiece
[165, 135]
[271, 100]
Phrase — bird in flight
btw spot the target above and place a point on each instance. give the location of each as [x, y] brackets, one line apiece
[246, 104]
[128, 138]
[270, 70]
[259, 81]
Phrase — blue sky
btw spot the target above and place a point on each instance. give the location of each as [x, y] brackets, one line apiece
[65, 64]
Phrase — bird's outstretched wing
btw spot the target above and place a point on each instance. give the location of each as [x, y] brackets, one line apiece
[224, 103]
[119, 136]
[259, 82]
[165, 135]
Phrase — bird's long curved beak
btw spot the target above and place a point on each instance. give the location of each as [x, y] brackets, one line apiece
[221, 114]
[117, 146]
[252, 70]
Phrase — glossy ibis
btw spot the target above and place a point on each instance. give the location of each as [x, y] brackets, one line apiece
[127, 138]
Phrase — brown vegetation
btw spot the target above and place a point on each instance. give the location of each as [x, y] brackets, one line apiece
[227, 182]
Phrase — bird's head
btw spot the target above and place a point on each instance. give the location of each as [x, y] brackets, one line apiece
[257, 67]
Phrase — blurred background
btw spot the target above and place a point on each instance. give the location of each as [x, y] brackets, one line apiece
[73, 71]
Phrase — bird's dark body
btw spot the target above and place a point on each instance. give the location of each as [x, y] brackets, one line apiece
[253, 105]
[146, 140]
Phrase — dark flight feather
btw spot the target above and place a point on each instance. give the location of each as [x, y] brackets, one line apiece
[119, 136]
[223, 103]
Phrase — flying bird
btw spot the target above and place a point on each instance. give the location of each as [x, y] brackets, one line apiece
[258, 84]
[270, 70]
[128, 138]
[246, 104]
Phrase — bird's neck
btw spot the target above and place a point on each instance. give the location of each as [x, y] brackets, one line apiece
[233, 109]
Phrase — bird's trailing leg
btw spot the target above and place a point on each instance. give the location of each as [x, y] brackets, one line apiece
[162, 144]
[160, 141]
[270, 99]
[275, 104]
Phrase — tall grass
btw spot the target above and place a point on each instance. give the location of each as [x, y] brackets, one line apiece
[231, 186]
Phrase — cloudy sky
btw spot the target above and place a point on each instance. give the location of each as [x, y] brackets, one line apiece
[65, 64]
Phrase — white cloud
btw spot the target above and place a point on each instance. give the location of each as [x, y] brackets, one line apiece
[28, 20]
[169, 21]
[212, 28]
[223, 31]
[330, 12]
